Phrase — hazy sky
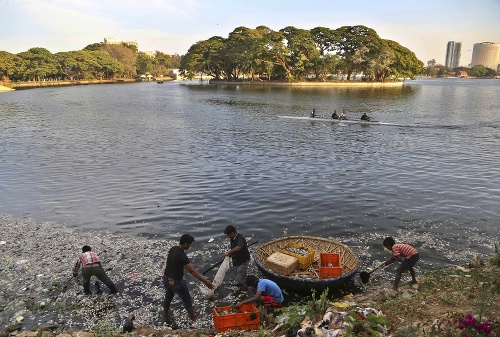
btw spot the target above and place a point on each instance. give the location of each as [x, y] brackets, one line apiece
[172, 26]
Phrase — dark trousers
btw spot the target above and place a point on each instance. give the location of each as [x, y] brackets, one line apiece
[97, 271]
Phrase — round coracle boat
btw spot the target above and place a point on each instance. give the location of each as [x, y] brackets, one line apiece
[304, 263]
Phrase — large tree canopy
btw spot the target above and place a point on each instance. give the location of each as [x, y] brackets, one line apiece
[299, 54]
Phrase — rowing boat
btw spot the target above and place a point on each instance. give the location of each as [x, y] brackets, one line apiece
[340, 121]
[307, 279]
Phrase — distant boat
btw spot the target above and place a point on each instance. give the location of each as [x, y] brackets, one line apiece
[159, 82]
[340, 121]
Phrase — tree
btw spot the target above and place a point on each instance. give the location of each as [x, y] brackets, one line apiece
[204, 57]
[165, 63]
[40, 64]
[348, 47]
[94, 46]
[303, 54]
[295, 53]
[125, 55]
[73, 64]
[405, 63]
[379, 67]
[145, 64]
[7, 65]
[481, 71]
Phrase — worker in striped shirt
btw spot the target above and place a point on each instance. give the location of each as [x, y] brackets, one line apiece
[89, 262]
[406, 254]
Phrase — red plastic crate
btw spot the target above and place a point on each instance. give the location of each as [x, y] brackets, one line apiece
[247, 318]
[329, 272]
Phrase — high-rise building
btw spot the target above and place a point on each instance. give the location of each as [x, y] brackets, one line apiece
[486, 54]
[453, 53]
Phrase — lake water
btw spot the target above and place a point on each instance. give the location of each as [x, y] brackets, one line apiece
[158, 160]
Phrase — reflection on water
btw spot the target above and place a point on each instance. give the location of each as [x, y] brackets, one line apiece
[158, 161]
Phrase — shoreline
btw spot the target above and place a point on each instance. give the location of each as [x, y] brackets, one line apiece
[43, 84]
[37, 291]
[343, 84]
[351, 84]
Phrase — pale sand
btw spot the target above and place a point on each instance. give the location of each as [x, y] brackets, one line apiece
[3, 88]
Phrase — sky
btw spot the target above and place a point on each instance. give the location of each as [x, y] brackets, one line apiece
[172, 26]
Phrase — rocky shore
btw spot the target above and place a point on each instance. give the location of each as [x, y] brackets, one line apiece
[39, 296]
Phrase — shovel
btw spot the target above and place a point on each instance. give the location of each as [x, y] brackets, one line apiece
[365, 276]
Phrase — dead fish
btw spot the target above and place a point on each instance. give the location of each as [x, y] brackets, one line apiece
[128, 326]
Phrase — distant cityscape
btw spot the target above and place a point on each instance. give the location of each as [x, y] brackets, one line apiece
[486, 54]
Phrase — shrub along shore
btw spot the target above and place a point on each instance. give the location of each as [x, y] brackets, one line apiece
[38, 293]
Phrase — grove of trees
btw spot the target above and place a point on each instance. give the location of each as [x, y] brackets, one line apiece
[439, 70]
[97, 61]
[295, 54]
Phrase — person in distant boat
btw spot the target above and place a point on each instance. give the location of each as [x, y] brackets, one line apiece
[334, 115]
[89, 262]
[239, 254]
[343, 115]
[406, 254]
[266, 291]
[365, 117]
[313, 113]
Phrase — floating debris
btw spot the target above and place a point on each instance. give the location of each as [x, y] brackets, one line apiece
[36, 280]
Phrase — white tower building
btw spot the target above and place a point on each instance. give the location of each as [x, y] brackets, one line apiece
[486, 54]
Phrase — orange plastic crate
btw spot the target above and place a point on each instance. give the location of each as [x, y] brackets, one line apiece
[247, 318]
[329, 272]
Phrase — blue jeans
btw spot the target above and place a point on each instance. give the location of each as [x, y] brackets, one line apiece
[180, 288]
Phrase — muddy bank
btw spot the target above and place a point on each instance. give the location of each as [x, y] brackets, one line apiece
[37, 288]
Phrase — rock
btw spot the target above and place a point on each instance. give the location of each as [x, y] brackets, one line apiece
[128, 326]
[47, 327]
[11, 328]
[382, 329]
[27, 334]
[83, 334]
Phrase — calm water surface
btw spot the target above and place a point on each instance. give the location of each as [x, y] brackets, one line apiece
[159, 160]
